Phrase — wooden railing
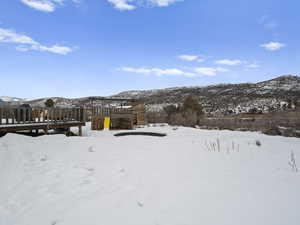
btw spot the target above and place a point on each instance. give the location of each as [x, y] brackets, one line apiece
[23, 115]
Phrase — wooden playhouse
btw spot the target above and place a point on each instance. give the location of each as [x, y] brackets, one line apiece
[120, 117]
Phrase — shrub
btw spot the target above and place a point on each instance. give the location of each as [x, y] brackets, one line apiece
[176, 119]
[192, 104]
[187, 114]
[156, 117]
[190, 118]
[272, 131]
[49, 103]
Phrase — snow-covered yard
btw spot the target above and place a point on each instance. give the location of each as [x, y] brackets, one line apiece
[190, 177]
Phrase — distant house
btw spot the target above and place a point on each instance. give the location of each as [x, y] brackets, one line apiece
[2, 103]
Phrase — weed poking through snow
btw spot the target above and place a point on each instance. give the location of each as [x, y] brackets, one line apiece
[292, 162]
[218, 145]
[211, 146]
[215, 146]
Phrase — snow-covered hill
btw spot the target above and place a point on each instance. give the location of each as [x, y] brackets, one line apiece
[11, 99]
[282, 83]
[268, 96]
[190, 177]
[272, 95]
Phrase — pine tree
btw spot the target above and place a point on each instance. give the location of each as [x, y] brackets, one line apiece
[49, 103]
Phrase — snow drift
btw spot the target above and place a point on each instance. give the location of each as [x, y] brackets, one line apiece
[190, 177]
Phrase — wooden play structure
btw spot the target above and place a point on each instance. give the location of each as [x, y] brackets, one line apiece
[122, 117]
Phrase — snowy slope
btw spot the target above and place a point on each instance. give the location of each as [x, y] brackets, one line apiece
[273, 95]
[11, 99]
[182, 179]
[268, 96]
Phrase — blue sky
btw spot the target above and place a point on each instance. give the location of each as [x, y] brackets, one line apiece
[76, 48]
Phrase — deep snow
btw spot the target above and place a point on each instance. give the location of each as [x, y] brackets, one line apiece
[190, 177]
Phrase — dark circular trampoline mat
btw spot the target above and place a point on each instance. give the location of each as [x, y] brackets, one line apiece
[152, 134]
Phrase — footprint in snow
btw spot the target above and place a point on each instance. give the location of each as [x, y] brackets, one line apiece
[5, 146]
[90, 169]
[85, 182]
[91, 149]
[140, 204]
[44, 158]
[55, 222]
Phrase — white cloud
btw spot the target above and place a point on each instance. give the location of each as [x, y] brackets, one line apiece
[163, 3]
[63, 50]
[229, 62]
[273, 46]
[237, 62]
[41, 5]
[199, 71]
[57, 49]
[77, 1]
[46, 5]
[122, 4]
[191, 58]
[210, 71]
[188, 57]
[10, 36]
[133, 4]
[26, 43]
[253, 65]
[51, 5]
[158, 71]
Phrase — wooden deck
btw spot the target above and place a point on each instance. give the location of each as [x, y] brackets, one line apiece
[36, 119]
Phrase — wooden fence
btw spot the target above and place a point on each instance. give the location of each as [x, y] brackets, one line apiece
[250, 123]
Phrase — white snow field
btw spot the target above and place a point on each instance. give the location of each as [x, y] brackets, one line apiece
[190, 177]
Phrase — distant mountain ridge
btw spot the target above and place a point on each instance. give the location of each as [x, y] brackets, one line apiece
[271, 95]
[11, 99]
